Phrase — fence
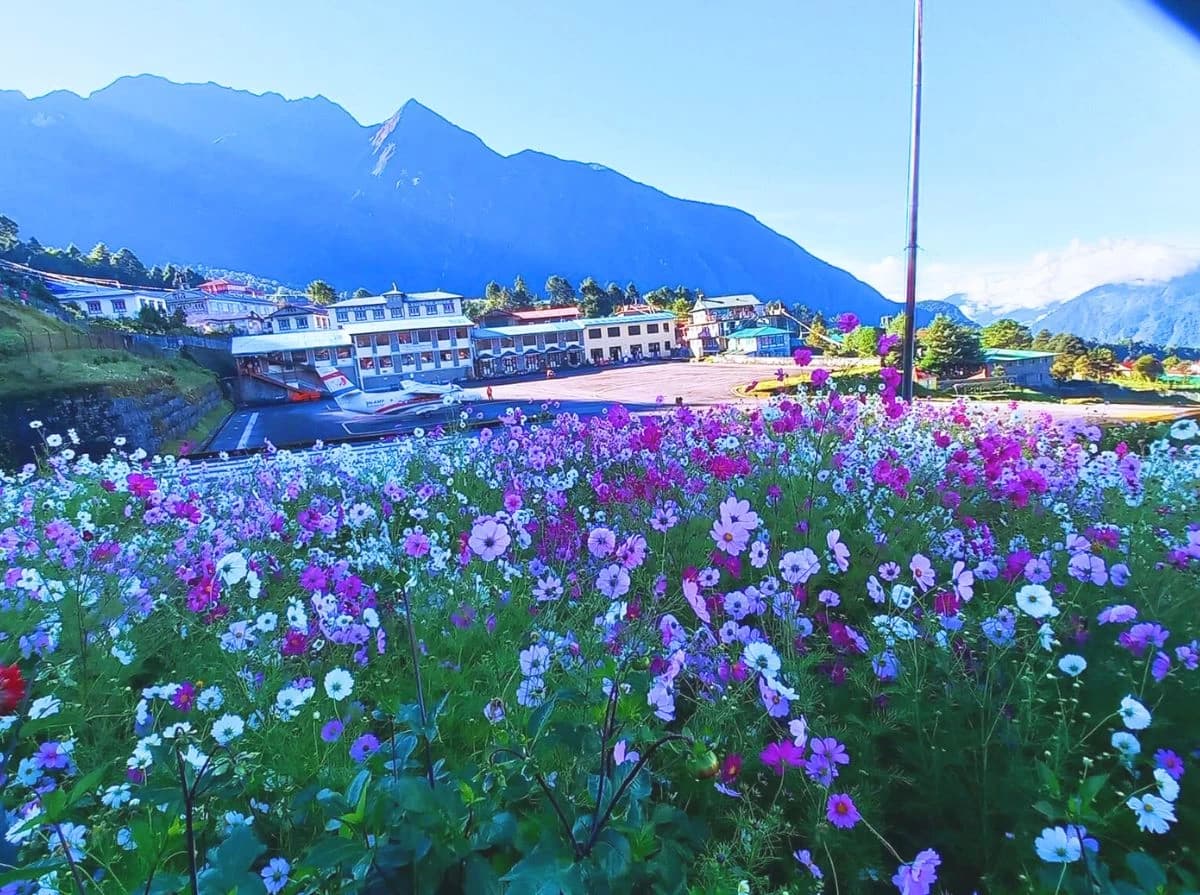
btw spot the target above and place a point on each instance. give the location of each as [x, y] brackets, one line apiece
[144, 344]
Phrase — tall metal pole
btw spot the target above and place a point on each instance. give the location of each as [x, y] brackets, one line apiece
[914, 158]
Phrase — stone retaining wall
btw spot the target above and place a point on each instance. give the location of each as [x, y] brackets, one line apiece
[146, 421]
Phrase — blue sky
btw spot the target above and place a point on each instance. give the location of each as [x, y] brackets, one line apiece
[1061, 141]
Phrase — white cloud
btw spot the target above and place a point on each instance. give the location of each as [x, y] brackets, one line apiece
[1046, 277]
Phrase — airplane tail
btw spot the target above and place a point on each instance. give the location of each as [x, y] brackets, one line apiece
[336, 383]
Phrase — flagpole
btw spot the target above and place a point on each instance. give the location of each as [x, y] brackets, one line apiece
[914, 157]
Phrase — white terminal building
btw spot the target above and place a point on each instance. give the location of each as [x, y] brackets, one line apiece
[376, 340]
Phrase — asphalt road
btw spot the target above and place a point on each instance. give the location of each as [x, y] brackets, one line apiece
[639, 388]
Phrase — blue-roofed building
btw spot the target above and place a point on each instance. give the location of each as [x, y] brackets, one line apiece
[527, 348]
[760, 341]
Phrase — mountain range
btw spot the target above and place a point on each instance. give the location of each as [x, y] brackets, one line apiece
[297, 190]
[1165, 313]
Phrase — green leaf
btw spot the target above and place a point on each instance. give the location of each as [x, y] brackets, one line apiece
[31, 871]
[1048, 779]
[86, 784]
[480, 877]
[1147, 871]
[540, 716]
[332, 852]
[229, 865]
[612, 854]
[498, 830]
[1091, 788]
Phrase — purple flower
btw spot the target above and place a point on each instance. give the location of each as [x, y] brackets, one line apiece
[51, 756]
[1119, 574]
[332, 731]
[804, 856]
[1160, 667]
[364, 747]
[918, 877]
[1170, 762]
[275, 875]
[1117, 615]
[841, 812]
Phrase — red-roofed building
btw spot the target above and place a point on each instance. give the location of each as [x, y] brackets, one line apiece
[505, 317]
[223, 286]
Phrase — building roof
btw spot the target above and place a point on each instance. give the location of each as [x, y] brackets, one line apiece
[528, 329]
[535, 315]
[295, 308]
[404, 324]
[999, 355]
[628, 318]
[755, 332]
[240, 346]
[391, 297]
[743, 300]
[435, 295]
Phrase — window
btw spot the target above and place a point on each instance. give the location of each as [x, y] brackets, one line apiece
[464, 354]
[385, 363]
[376, 313]
[119, 305]
[431, 309]
[635, 330]
[507, 343]
[93, 307]
[407, 360]
[362, 341]
[614, 332]
[593, 334]
[614, 353]
[299, 357]
[447, 356]
[415, 311]
[424, 335]
[404, 338]
[529, 341]
[301, 323]
[284, 324]
[343, 316]
[343, 352]
[461, 334]
[666, 346]
[366, 363]
[447, 307]
[321, 355]
[654, 349]
[383, 340]
[443, 336]
[427, 357]
[397, 313]
[597, 355]
[651, 328]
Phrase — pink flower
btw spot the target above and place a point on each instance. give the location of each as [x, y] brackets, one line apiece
[601, 542]
[819, 377]
[922, 571]
[887, 342]
[847, 322]
[841, 812]
[489, 539]
[730, 537]
[779, 755]
[841, 553]
[613, 581]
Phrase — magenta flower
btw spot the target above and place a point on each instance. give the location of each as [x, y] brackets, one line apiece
[1170, 762]
[841, 812]
[779, 755]
[416, 545]
[847, 322]
[802, 357]
[886, 343]
[820, 376]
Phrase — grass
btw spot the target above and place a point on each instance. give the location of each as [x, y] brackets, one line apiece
[44, 373]
[196, 437]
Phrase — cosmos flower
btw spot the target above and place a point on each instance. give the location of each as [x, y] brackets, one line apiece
[1154, 814]
[1035, 601]
[489, 539]
[841, 812]
[1133, 714]
[1056, 846]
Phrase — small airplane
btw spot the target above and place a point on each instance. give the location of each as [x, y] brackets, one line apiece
[413, 397]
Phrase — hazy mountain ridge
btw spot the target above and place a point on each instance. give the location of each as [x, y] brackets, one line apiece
[297, 189]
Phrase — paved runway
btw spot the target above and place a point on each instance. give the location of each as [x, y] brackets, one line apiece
[640, 388]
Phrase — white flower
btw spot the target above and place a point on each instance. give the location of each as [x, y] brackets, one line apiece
[227, 728]
[1168, 786]
[1134, 714]
[74, 837]
[54, 440]
[535, 660]
[1072, 664]
[44, 707]
[125, 839]
[119, 441]
[1035, 600]
[35, 424]
[210, 699]
[902, 596]
[1185, 430]
[798, 728]
[338, 684]
[762, 658]
[231, 568]
[797, 566]
[1127, 744]
[1154, 814]
[1057, 846]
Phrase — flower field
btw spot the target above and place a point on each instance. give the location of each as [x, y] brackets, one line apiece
[838, 644]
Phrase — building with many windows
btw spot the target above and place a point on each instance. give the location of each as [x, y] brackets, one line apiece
[512, 350]
[1027, 368]
[298, 318]
[406, 335]
[643, 336]
[219, 311]
[507, 317]
[713, 319]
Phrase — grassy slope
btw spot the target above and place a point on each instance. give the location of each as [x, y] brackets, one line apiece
[44, 372]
